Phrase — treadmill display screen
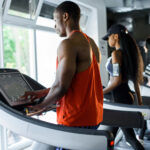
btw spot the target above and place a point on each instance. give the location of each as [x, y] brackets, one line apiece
[13, 86]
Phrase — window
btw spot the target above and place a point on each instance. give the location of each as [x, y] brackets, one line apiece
[47, 43]
[33, 31]
[46, 15]
[23, 8]
[19, 49]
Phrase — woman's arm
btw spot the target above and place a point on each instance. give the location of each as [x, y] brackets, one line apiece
[116, 80]
[137, 92]
[114, 83]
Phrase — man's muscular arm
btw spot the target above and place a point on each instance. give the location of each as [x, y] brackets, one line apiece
[65, 72]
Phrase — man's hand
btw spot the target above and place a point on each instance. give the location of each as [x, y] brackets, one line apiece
[35, 110]
[31, 95]
[39, 109]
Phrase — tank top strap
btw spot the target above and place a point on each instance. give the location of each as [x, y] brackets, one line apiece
[82, 33]
[85, 35]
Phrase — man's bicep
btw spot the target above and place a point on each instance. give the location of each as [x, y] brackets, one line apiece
[66, 67]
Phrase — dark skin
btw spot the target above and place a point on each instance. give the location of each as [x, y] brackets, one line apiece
[113, 41]
[74, 56]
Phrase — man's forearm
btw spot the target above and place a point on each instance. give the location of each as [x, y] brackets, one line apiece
[44, 92]
[55, 93]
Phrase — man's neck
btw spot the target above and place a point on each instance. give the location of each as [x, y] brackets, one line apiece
[71, 28]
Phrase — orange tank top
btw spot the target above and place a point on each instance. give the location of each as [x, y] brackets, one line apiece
[82, 105]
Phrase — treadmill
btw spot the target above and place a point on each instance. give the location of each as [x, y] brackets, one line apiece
[144, 109]
[13, 116]
[110, 117]
[67, 137]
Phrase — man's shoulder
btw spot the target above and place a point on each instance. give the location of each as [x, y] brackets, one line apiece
[66, 42]
[66, 47]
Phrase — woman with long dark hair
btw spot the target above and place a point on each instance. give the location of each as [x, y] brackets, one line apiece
[124, 64]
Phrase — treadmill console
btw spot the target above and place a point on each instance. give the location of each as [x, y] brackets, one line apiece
[12, 86]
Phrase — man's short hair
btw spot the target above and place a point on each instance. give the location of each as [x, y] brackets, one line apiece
[71, 8]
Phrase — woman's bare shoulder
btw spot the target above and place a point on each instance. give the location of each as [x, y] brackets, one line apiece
[117, 56]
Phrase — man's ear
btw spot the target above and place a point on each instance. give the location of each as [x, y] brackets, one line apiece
[65, 16]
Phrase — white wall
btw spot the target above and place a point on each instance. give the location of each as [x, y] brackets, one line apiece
[1, 2]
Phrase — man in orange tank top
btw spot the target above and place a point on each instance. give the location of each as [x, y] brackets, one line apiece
[77, 90]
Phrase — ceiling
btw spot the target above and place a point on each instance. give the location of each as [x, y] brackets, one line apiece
[134, 14]
[121, 6]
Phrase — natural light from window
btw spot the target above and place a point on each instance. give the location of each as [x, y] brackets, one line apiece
[47, 44]
[19, 49]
